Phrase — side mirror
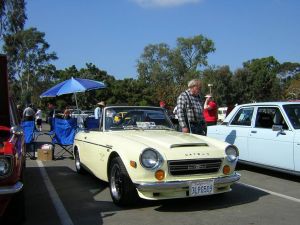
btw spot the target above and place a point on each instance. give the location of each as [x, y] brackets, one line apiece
[279, 129]
[16, 130]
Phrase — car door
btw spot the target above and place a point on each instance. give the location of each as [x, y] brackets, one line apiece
[268, 147]
[240, 126]
[95, 150]
[292, 111]
[236, 131]
[297, 151]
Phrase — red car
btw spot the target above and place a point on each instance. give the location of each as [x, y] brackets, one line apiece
[12, 155]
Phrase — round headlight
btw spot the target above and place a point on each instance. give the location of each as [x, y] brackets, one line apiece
[232, 153]
[4, 167]
[151, 159]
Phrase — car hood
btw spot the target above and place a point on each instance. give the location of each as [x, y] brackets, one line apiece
[175, 145]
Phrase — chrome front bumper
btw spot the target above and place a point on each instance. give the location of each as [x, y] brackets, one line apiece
[164, 186]
[6, 190]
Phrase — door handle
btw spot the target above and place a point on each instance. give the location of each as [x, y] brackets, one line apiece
[253, 131]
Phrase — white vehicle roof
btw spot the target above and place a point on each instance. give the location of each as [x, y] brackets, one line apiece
[280, 104]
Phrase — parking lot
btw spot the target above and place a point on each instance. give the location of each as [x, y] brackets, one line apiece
[56, 194]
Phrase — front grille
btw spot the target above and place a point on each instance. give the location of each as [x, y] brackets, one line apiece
[195, 166]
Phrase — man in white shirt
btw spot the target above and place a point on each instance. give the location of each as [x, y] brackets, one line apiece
[98, 109]
[28, 113]
[38, 117]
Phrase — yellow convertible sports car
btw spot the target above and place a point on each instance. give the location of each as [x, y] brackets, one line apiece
[142, 155]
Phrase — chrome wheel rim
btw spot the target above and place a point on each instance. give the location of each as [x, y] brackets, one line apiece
[77, 161]
[116, 182]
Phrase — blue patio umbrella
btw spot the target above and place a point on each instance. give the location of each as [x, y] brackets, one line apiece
[72, 86]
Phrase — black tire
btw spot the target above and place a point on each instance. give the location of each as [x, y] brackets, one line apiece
[78, 164]
[15, 212]
[122, 190]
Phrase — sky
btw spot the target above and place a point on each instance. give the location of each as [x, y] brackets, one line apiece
[112, 34]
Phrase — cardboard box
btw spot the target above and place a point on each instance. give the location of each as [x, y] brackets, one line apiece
[45, 154]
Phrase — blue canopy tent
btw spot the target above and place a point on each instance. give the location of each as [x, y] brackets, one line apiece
[64, 130]
[72, 86]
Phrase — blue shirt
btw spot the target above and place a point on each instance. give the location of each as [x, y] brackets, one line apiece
[97, 112]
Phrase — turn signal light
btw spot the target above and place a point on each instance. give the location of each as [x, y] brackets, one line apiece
[160, 174]
[226, 169]
[133, 164]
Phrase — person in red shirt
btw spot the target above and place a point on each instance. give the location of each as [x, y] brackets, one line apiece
[210, 111]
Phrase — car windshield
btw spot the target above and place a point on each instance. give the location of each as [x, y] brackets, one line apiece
[136, 118]
[293, 112]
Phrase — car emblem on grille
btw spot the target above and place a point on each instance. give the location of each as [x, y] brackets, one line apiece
[197, 154]
[196, 167]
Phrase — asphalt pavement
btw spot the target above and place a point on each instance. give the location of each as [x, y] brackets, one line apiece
[56, 194]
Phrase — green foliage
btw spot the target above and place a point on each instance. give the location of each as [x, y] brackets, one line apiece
[12, 17]
[221, 80]
[242, 81]
[28, 57]
[265, 84]
[288, 73]
[166, 71]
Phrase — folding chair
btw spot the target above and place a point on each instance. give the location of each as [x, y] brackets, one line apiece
[29, 130]
[91, 123]
[64, 133]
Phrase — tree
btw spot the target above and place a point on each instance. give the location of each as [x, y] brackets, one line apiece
[154, 72]
[265, 84]
[194, 51]
[292, 90]
[242, 81]
[221, 79]
[130, 92]
[12, 17]
[166, 71]
[27, 53]
[287, 74]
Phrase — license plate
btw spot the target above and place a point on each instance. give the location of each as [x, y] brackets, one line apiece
[201, 188]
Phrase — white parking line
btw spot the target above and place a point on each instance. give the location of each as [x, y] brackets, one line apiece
[59, 207]
[272, 193]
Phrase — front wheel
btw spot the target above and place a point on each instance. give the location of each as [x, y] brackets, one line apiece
[78, 164]
[122, 190]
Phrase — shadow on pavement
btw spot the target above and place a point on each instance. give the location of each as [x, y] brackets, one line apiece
[87, 199]
[268, 172]
[77, 193]
[238, 196]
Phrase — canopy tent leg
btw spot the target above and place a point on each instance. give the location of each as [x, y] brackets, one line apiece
[76, 100]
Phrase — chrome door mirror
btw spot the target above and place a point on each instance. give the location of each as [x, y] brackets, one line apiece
[16, 130]
[279, 129]
[276, 128]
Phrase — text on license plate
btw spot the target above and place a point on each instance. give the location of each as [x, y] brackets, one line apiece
[201, 188]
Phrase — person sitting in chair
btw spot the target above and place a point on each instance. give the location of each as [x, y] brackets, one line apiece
[67, 113]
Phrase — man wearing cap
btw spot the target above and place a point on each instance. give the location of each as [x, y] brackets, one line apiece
[210, 111]
[98, 109]
[190, 111]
